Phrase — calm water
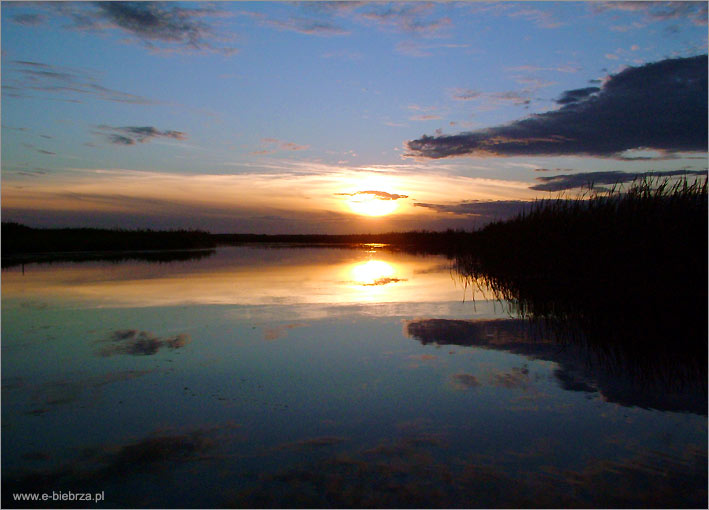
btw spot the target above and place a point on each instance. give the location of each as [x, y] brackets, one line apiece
[320, 377]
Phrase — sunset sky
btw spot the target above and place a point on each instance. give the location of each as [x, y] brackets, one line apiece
[339, 117]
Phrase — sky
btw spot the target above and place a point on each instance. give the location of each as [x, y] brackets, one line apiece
[340, 117]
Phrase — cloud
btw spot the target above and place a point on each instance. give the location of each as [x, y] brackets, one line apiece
[413, 18]
[130, 135]
[465, 94]
[159, 26]
[23, 76]
[318, 18]
[661, 105]
[383, 281]
[380, 195]
[576, 95]
[427, 116]
[538, 17]
[418, 49]
[487, 210]
[570, 181]
[140, 343]
[279, 145]
[308, 26]
[696, 12]
[29, 19]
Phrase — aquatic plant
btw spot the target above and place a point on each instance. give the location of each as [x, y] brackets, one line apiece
[622, 270]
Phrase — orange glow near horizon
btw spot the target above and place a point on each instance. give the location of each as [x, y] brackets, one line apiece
[369, 205]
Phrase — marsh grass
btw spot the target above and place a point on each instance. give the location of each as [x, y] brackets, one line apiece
[624, 271]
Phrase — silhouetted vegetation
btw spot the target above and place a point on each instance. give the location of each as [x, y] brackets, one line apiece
[157, 257]
[65, 243]
[421, 241]
[624, 272]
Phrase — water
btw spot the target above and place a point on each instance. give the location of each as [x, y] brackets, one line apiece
[320, 377]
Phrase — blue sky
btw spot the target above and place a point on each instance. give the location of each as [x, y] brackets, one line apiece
[280, 117]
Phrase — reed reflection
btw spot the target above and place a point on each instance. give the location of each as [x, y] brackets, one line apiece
[579, 369]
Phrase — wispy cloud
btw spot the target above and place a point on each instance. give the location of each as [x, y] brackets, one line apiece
[130, 135]
[661, 105]
[307, 26]
[593, 179]
[535, 15]
[328, 18]
[484, 210]
[492, 100]
[380, 195]
[29, 19]
[696, 12]
[275, 145]
[414, 18]
[24, 77]
[418, 48]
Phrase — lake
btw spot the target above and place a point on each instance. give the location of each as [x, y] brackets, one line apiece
[259, 376]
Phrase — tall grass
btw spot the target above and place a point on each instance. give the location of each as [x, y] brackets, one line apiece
[626, 269]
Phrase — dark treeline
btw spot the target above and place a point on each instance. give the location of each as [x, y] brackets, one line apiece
[448, 242]
[626, 273]
[116, 257]
[19, 239]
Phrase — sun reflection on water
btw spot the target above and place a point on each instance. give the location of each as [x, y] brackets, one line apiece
[371, 272]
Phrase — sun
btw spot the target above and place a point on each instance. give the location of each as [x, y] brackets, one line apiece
[371, 205]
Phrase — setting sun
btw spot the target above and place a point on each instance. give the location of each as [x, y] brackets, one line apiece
[371, 205]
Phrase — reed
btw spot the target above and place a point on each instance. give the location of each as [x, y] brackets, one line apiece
[624, 271]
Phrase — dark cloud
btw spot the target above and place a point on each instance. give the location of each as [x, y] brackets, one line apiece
[159, 26]
[130, 135]
[590, 179]
[498, 209]
[380, 195]
[140, 343]
[121, 140]
[574, 96]
[661, 105]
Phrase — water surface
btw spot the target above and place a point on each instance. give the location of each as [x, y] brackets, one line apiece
[321, 377]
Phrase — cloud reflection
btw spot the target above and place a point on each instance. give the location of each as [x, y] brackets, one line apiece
[140, 343]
